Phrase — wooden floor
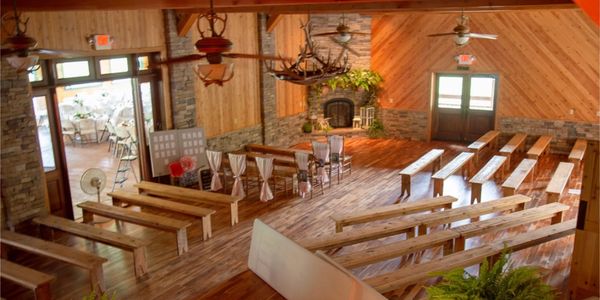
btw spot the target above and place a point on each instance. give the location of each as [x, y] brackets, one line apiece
[374, 182]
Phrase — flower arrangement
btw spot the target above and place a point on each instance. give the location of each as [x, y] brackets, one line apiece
[179, 167]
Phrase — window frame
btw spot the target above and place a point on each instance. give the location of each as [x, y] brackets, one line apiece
[129, 72]
[73, 80]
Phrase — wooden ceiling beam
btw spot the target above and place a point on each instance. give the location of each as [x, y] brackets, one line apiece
[185, 22]
[288, 6]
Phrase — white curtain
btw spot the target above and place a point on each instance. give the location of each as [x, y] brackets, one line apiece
[265, 167]
[321, 153]
[303, 180]
[214, 160]
[237, 162]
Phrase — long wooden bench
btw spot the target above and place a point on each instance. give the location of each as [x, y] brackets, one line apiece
[514, 180]
[578, 152]
[559, 181]
[452, 167]
[484, 174]
[191, 195]
[179, 227]
[274, 150]
[82, 259]
[553, 211]
[29, 278]
[119, 240]
[409, 223]
[418, 272]
[119, 197]
[516, 143]
[540, 147]
[490, 138]
[433, 156]
[390, 211]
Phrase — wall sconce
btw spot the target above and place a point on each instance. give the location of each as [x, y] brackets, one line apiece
[214, 73]
[23, 63]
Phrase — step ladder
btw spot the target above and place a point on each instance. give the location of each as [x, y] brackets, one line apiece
[126, 165]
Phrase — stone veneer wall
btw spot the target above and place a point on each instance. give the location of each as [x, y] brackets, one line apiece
[236, 140]
[564, 133]
[181, 76]
[404, 124]
[22, 185]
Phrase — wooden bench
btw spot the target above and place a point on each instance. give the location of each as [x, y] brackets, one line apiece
[191, 195]
[418, 272]
[433, 156]
[559, 181]
[527, 216]
[119, 197]
[540, 147]
[578, 151]
[488, 139]
[119, 240]
[514, 180]
[179, 227]
[456, 164]
[485, 173]
[390, 211]
[82, 259]
[516, 143]
[29, 278]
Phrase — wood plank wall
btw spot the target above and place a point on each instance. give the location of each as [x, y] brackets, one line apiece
[235, 105]
[131, 29]
[547, 60]
[289, 37]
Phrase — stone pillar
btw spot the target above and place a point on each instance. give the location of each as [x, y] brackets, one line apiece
[181, 76]
[22, 183]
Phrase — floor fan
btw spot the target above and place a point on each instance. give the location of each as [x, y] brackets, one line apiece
[93, 182]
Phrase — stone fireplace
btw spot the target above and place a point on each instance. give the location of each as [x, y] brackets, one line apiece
[340, 106]
[340, 112]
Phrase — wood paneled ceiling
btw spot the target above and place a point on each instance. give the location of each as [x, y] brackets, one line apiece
[287, 6]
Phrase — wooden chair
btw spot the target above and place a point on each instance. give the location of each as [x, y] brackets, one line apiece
[306, 174]
[338, 160]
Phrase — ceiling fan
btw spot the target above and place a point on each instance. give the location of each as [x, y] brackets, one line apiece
[342, 35]
[20, 49]
[463, 33]
[214, 47]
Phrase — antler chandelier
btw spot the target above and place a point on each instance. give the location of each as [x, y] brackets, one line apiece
[311, 68]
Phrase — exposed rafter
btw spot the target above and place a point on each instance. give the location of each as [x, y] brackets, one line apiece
[272, 21]
[185, 21]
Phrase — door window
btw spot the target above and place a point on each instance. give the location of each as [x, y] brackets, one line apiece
[43, 130]
[450, 92]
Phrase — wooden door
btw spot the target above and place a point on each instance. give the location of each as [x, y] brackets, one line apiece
[464, 106]
[340, 113]
[148, 118]
[53, 157]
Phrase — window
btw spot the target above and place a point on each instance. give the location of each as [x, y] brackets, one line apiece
[450, 92]
[37, 75]
[73, 69]
[114, 65]
[43, 130]
[472, 91]
[143, 63]
[482, 93]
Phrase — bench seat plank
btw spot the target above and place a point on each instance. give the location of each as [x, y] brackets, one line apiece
[390, 211]
[452, 167]
[489, 138]
[485, 173]
[515, 143]
[185, 209]
[116, 239]
[59, 252]
[176, 193]
[149, 220]
[540, 147]
[434, 155]
[514, 180]
[26, 277]
[559, 181]
[578, 151]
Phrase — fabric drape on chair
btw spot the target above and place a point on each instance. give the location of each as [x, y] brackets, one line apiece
[265, 168]
[304, 186]
[237, 162]
[214, 161]
[336, 143]
[321, 153]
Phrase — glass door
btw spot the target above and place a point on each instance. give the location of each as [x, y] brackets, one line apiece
[149, 119]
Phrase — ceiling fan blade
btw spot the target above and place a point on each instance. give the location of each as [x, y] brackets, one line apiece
[182, 59]
[57, 53]
[345, 46]
[483, 36]
[442, 34]
[326, 33]
[9, 51]
[256, 56]
[358, 33]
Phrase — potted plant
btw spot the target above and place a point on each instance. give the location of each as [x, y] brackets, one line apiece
[376, 129]
[500, 282]
[307, 127]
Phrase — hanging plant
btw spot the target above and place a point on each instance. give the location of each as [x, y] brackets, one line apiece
[356, 79]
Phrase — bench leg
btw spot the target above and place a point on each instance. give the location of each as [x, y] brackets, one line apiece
[46, 233]
[405, 185]
[438, 187]
[438, 164]
[3, 251]
[475, 192]
[140, 266]
[508, 192]
[97, 279]
[339, 227]
[459, 244]
[552, 197]
[410, 233]
[557, 218]
[448, 247]
[182, 244]
[42, 292]
[206, 228]
[88, 217]
[234, 213]
[422, 229]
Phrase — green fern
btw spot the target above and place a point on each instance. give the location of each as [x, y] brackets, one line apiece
[500, 282]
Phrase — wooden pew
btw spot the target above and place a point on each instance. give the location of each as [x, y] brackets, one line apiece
[390, 211]
[490, 138]
[578, 151]
[82, 259]
[418, 272]
[516, 143]
[540, 147]
[514, 180]
[452, 167]
[559, 181]
[179, 227]
[115, 239]
[191, 195]
[433, 156]
[204, 214]
[29, 278]
[553, 211]
[484, 174]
